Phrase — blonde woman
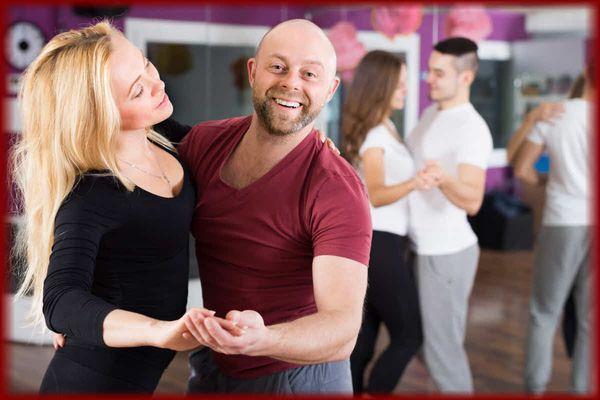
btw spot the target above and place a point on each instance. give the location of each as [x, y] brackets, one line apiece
[108, 207]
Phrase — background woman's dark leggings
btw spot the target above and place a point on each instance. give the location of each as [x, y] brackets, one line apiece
[391, 298]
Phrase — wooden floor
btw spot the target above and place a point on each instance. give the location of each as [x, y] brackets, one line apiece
[495, 339]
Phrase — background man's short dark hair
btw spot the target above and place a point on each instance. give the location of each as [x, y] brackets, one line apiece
[456, 46]
[465, 51]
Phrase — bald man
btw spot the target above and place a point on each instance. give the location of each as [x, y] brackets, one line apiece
[282, 230]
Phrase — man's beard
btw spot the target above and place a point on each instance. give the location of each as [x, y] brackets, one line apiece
[276, 125]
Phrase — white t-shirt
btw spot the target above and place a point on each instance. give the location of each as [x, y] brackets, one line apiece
[567, 141]
[452, 136]
[398, 167]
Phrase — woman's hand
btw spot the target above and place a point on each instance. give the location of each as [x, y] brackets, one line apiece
[58, 341]
[429, 177]
[329, 142]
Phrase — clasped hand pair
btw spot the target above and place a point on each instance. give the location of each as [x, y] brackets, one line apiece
[430, 176]
[240, 332]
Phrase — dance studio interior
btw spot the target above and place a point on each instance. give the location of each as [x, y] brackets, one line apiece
[528, 55]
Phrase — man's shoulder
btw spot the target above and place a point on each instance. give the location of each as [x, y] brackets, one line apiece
[574, 119]
[203, 136]
[576, 108]
[332, 169]
[474, 123]
[219, 126]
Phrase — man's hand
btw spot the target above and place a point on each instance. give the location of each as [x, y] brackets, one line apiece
[253, 338]
[178, 337]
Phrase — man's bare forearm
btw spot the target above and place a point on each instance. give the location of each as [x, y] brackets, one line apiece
[384, 195]
[463, 195]
[321, 337]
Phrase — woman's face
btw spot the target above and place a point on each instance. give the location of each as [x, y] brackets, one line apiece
[137, 88]
[400, 92]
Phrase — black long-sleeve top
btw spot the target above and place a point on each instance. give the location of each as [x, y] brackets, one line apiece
[117, 249]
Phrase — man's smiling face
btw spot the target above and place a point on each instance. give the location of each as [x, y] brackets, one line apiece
[292, 77]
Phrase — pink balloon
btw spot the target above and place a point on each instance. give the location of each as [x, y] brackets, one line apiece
[348, 48]
[468, 21]
[399, 20]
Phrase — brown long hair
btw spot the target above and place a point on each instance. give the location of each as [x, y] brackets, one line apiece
[368, 100]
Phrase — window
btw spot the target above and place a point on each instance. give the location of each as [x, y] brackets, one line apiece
[204, 82]
[491, 96]
[405, 119]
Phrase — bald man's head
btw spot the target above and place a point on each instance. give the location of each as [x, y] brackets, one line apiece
[305, 31]
[292, 76]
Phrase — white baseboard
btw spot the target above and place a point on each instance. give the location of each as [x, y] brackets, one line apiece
[19, 331]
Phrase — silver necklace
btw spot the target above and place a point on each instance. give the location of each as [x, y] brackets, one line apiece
[163, 176]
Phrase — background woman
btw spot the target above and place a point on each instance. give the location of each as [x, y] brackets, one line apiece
[374, 146]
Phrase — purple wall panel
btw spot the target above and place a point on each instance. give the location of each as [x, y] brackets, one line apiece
[59, 18]
[508, 26]
[497, 178]
[43, 16]
[254, 15]
[326, 17]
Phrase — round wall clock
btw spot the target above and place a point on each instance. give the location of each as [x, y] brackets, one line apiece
[23, 42]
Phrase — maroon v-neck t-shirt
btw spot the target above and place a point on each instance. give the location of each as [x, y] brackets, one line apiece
[255, 246]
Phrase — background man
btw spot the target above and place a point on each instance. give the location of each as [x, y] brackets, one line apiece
[562, 253]
[453, 142]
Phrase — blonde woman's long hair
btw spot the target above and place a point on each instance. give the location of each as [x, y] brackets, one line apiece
[70, 123]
